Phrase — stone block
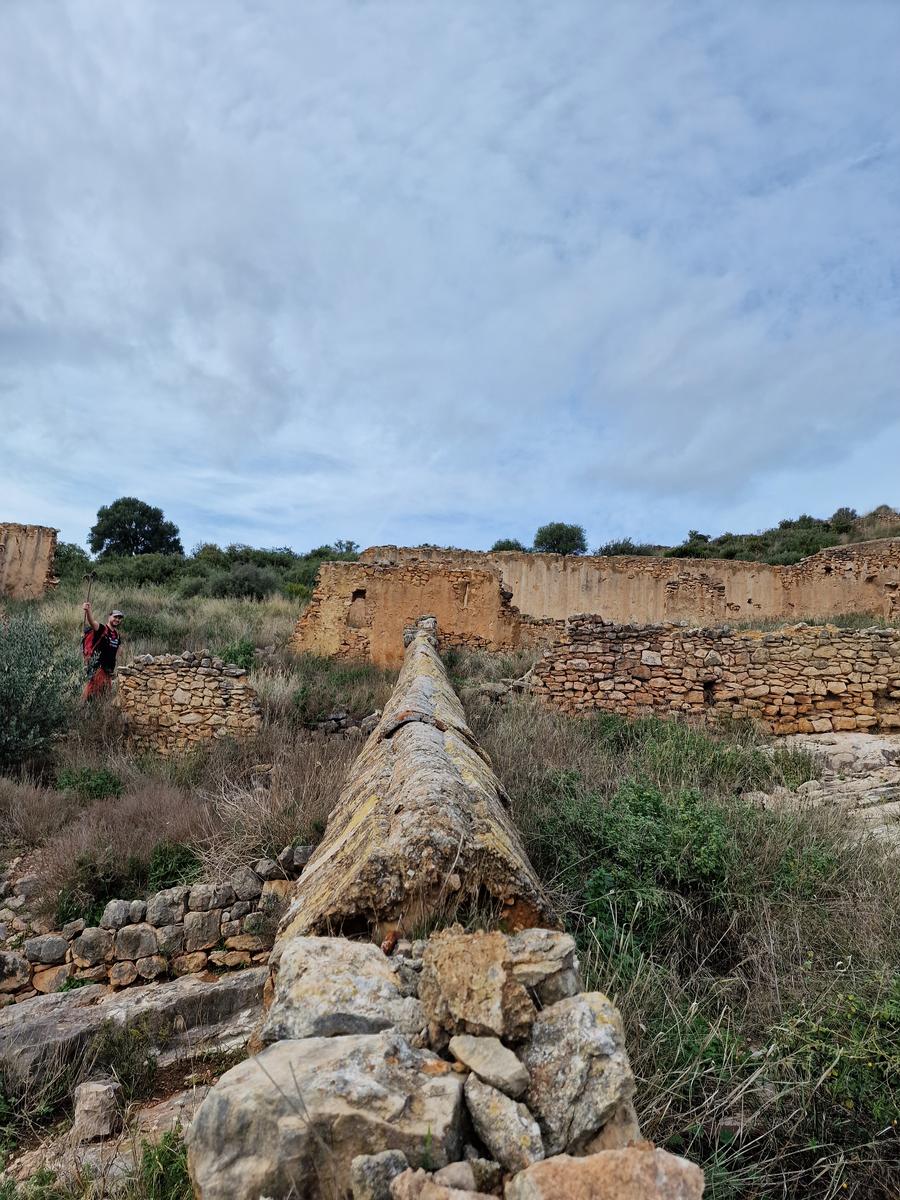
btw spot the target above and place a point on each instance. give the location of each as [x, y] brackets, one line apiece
[202, 930]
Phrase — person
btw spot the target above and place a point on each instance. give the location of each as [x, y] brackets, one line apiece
[101, 645]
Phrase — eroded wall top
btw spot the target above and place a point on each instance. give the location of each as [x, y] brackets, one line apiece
[26, 560]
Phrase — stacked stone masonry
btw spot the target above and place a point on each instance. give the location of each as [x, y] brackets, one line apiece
[506, 600]
[173, 702]
[26, 560]
[800, 679]
[182, 930]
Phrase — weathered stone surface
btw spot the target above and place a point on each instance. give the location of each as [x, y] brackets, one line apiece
[46, 1035]
[204, 896]
[579, 1070]
[492, 1062]
[621, 1130]
[421, 824]
[189, 964]
[51, 979]
[301, 1111]
[170, 939]
[371, 1174]
[201, 930]
[48, 949]
[116, 914]
[98, 1110]
[92, 947]
[14, 971]
[506, 1127]
[331, 986]
[121, 974]
[468, 986]
[545, 960]
[633, 1174]
[246, 883]
[135, 941]
[152, 966]
[166, 907]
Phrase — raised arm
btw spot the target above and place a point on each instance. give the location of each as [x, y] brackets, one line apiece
[89, 616]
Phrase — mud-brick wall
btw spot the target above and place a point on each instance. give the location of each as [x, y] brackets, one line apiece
[174, 702]
[800, 679]
[26, 560]
[360, 610]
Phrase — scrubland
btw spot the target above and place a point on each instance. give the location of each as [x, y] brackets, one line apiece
[755, 956]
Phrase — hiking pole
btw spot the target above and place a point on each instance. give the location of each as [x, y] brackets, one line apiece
[89, 580]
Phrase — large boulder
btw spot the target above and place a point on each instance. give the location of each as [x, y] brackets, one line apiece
[296, 1115]
[578, 1068]
[329, 986]
[638, 1173]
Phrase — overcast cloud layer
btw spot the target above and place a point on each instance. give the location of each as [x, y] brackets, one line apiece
[441, 270]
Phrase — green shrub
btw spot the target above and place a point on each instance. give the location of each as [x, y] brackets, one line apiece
[38, 681]
[100, 876]
[242, 580]
[91, 783]
[171, 864]
[240, 653]
[128, 1054]
[162, 1173]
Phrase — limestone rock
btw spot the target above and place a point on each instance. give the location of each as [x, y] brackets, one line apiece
[92, 947]
[51, 979]
[135, 941]
[544, 959]
[621, 1130]
[467, 986]
[579, 1070]
[330, 986]
[14, 972]
[632, 1174]
[507, 1128]
[201, 930]
[492, 1062]
[115, 915]
[246, 883]
[97, 1110]
[48, 949]
[371, 1174]
[166, 907]
[299, 1113]
[121, 974]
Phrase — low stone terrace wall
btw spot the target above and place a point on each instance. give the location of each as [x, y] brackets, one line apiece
[172, 702]
[179, 931]
[800, 679]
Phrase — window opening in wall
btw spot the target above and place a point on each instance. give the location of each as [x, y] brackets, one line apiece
[709, 693]
[357, 616]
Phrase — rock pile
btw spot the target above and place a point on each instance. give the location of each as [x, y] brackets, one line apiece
[171, 702]
[800, 679]
[445, 1070]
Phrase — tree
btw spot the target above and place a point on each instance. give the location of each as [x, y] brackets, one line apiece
[37, 687]
[70, 561]
[129, 526]
[559, 538]
[507, 544]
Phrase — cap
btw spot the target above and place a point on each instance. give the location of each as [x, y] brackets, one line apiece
[117, 612]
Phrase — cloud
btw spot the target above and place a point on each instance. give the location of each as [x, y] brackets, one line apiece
[418, 271]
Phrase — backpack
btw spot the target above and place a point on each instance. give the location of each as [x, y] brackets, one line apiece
[90, 649]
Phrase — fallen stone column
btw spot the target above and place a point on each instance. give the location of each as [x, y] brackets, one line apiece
[421, 827]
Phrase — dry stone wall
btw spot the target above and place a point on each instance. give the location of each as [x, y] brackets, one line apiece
[800, 679]
[172, 702]
[26, 560]
[183, 930]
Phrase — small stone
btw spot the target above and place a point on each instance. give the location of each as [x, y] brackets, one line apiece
[638, 1173]
[268, 868]
[152, 966]
[115, 915]
[71, 929]
[166, 907]
[135, 941]
[170, 939]
[137, 910]
[492, 1062]
[201, 930]
[457, 1175]
[98, 1111]
[92, 947]
[48, 950]
[52, 979]
[189, 964]
[246, 883]
[507, 1128]
[371, 1174]
[121, 974]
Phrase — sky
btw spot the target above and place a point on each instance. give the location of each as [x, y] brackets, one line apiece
[444, 270]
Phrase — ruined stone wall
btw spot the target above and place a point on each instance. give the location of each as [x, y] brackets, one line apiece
[801, 679]
[859, 578]
[360, 610]
[173, 702]
[26, 560]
